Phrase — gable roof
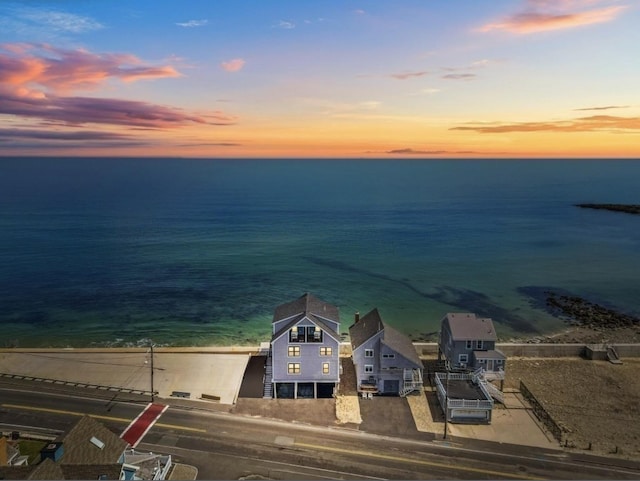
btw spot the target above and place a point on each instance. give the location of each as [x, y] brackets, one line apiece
[47, 469]
[401, 344]
[306, 304]
[314, 320]
[371, 324]
[78, 448]
[311, 308]
[466, 326]
[364, 329]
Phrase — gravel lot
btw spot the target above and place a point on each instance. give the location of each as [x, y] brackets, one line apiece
[594, 402]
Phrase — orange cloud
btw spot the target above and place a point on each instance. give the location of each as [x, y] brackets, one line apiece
[595, 123]
[410, 151]
[533, 21]
[606, 107]
[233, 65]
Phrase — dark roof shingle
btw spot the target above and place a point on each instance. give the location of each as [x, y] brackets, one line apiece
[78, 448]
[466, 326]
[306, 304]
[371, 324]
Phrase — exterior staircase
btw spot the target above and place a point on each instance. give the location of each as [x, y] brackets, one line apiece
[268, 375]
[412, 381]
[479, 376]
[493, 391]
[612, 356]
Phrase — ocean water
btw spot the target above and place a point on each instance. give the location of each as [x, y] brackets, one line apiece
[112, 251]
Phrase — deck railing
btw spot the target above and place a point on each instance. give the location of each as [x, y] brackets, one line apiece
[469, 403]
[441, 379]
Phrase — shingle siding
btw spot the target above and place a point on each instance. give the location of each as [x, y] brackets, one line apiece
[306, 312]
[359, 359]
[459, 335]
[310, 360]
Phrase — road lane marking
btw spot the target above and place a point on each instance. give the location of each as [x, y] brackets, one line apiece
[98, 416]
[416, 461]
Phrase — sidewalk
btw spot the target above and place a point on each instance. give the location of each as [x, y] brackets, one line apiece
[196, 374]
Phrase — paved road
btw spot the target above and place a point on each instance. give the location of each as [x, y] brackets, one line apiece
[225, 446]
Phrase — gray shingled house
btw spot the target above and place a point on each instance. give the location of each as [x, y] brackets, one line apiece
[91, 451]
[468, 342]
[386, 361]
[305, 344]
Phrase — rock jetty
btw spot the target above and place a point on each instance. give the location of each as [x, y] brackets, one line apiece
[627, 208]
[587, 314]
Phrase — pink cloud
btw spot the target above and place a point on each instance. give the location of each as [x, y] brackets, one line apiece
[405, 76]
[33, 77]
[459, 76]
[88, 110]
[47, 68]
[233, 65]
[544, 16]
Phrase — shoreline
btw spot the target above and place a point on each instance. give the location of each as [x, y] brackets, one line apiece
[572, 336]
[573, 333]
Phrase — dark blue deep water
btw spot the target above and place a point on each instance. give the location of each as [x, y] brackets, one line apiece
[112, 251]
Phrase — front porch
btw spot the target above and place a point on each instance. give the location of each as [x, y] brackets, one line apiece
[393, 382]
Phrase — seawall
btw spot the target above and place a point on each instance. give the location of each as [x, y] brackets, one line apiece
[424, 349]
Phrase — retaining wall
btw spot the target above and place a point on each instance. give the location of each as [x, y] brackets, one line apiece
[429, 349]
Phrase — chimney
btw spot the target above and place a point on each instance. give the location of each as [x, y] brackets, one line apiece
[357, 316]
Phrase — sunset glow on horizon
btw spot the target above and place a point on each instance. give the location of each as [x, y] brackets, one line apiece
[343, 79]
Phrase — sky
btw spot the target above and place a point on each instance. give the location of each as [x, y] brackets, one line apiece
[330, 78]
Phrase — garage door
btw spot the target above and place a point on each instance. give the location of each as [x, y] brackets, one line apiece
[469, 414]
[391, 387]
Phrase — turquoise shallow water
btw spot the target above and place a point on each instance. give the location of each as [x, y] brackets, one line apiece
[198, 252]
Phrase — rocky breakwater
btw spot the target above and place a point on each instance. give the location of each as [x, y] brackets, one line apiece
[582, 313]
[626, 208]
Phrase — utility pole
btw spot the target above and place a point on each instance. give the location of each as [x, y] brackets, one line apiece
[446, 403]
[152, 391]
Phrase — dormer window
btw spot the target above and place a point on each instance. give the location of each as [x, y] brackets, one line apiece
[314, 334]
[294, 335]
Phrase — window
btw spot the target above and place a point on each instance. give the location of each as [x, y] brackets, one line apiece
[293, 351]
[368, 353]
[478, 344]
[326, 351]
[325, 368]
[388, 356]
[481, 361]
[463, 358]
[314, 334]
[293, 368]
[498, 361]
[469, 344]
[296, 334]
[368, 368]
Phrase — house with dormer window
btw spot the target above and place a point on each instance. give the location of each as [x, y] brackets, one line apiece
[468, 342]
[304, 360]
